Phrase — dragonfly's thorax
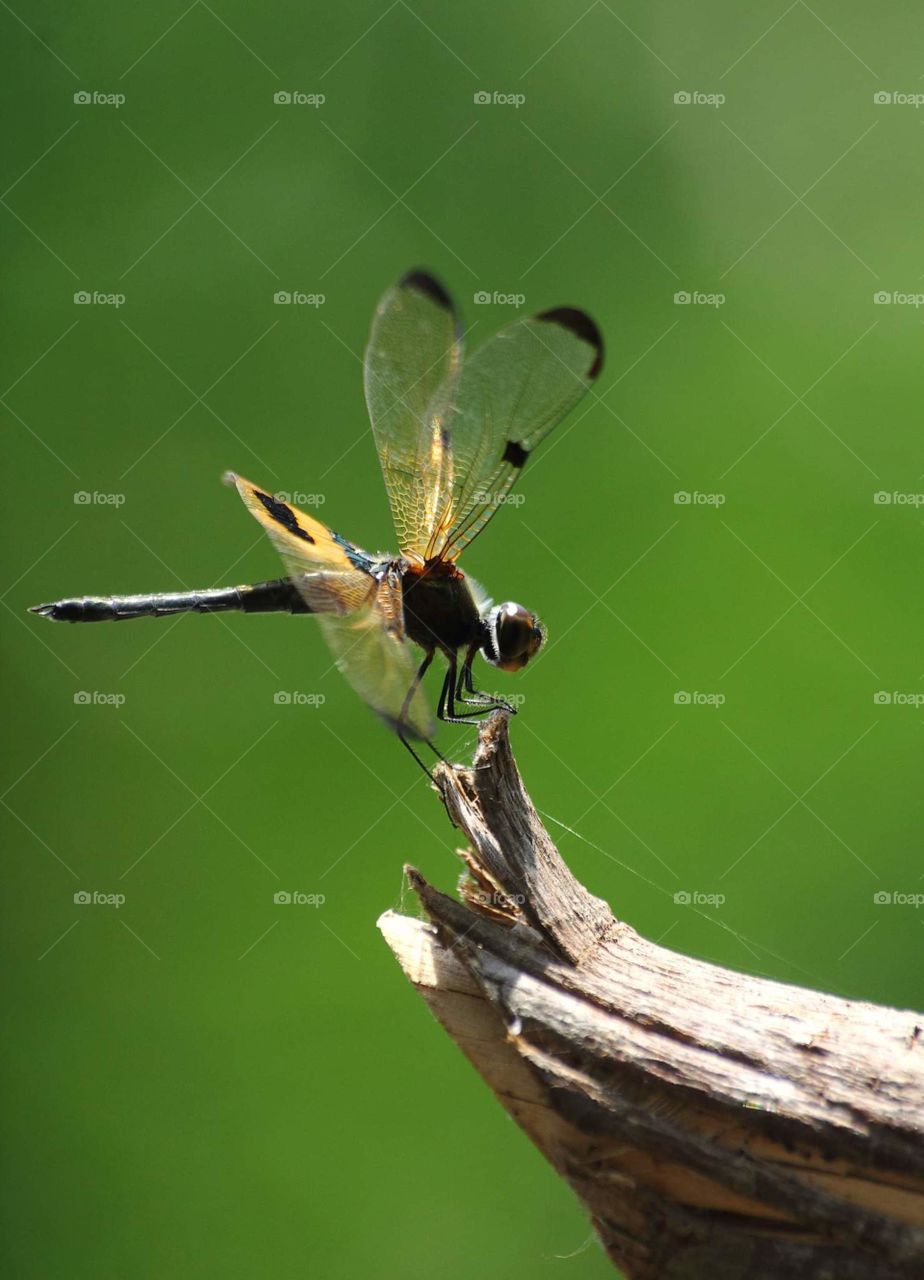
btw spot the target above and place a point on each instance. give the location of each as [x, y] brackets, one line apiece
[439, 609]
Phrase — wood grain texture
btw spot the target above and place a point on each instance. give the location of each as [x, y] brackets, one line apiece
[714, 1124]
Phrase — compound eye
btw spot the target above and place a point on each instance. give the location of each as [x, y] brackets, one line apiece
[516, 634]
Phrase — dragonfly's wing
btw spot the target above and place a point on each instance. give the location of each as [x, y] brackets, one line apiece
[360, 612]
[412, 360]
[302, 541]
[330, 573]
[507, 398]
[373, 654]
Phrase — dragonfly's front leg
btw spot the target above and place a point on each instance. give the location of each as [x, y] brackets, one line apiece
[450, 691]
[486, 701]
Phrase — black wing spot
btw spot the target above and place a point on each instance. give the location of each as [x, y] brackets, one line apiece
[580, 324]
[283, 515]
[428, 285]
[515, 454]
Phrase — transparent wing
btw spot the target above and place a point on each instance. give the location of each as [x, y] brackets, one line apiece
[412, 360]
[507, 398]
[335, 591]
[372, 653]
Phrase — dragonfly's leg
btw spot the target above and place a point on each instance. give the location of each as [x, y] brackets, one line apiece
[447, 706]
[405, 707]
[486, 701]
[404, 742]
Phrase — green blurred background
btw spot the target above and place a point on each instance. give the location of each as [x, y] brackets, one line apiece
[201, 1082]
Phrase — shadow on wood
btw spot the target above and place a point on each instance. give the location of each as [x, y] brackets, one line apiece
[714, 1124]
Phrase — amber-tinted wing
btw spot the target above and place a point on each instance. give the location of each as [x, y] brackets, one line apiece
[360, 612]
[412, 361]
[301, 540]
[509, 395]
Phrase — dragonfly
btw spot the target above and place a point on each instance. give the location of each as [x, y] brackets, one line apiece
[453, 434]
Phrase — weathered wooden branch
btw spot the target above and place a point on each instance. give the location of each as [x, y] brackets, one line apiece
[714, 1124]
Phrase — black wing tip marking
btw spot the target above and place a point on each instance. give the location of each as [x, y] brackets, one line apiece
[515, 454]
[421, 280]
[283, 515]
[580, 324]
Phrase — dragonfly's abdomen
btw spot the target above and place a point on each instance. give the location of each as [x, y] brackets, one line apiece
[278, 596]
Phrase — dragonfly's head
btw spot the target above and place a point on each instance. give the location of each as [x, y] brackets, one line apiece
[512, 635]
